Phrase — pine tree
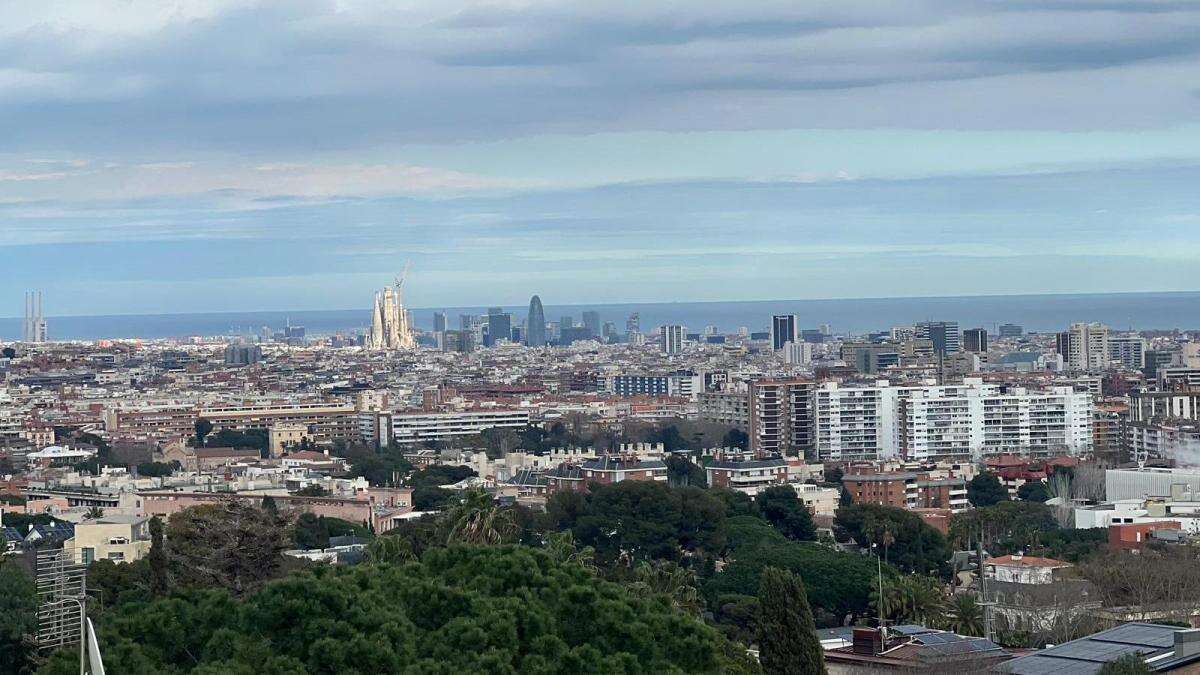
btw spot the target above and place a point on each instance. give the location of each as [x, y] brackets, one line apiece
[157, 558]
[787, 638]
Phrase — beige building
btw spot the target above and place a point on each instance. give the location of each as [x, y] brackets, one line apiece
[115, 538]
[285, 437]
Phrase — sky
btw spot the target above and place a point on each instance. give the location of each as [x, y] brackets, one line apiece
[227, 155]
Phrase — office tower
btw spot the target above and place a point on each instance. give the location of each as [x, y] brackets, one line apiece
[672, 339]
[609, 332]
[439, 322]
[944, 334]
[34, 327]
[1011, 330]
[535, 324]
[573, 334]
[591, 321]
[1130, 350]
[825, 329]
[390, 327]
[975, 340]
[633, 324]
[499, 324]
[1086, 346]
[466, 322]
[783, 330]
[780, 417]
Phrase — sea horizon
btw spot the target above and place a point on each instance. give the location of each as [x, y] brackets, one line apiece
[1035, 312]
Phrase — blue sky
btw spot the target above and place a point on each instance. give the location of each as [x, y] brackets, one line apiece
[230, 155]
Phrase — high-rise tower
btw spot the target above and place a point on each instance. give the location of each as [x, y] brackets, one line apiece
[33, 328]
[535, 327]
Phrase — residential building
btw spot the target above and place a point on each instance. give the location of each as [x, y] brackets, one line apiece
[908, 490]
[780, 417]
[1085, 347]
[1128, 350]
[115, 538]
[418, 427]
[747, 476]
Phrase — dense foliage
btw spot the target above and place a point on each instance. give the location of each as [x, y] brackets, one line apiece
[18, 617]
[907, 541]
[986, 490]
[461, 609]
[640, 520]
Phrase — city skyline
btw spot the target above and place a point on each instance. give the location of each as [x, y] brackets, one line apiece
[619, 153]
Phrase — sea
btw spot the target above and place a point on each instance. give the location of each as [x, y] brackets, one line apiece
[1120, 311]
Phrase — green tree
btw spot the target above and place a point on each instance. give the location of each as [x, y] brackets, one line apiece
[781, 507]
[1033, 491]
[93, 513]
[160, 581]
[477, 519]
[203, 429]
[682, 471]
[907, 541]
[839, 584]
[1128, 664]
[18, 618]
[911, 599]
[310, 531]
[312, 490]
[459, 609]
[964, 615]
[787, 638]
[641, 520]
[157, 469]
[986, 489]
[736, 438]
[674, 584]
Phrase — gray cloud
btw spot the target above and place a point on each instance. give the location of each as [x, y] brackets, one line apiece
[275, 76]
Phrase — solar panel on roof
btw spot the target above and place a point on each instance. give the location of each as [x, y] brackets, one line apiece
[1089, 650]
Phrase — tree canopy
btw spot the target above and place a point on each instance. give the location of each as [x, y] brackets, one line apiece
[640, 520]
[460, 609]
[787, 638]
[781, 507]
[907, 541]
[986, 489]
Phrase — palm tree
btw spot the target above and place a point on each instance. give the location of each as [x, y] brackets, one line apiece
[390, 550]
[912, 598]
[93, 513]
[562, 549]
[671, 581]
[964, 614]
[479, 520]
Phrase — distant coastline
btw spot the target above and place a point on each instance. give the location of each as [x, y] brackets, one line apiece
[1121, 311]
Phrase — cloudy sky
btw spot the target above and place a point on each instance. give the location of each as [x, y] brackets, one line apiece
[227, 155]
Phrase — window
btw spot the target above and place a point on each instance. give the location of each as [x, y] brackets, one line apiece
[89, 555]
[116, 556]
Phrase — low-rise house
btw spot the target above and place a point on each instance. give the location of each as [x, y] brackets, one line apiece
[115, 538]
[748, 476]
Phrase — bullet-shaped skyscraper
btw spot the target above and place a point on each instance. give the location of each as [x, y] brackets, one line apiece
[535, 326]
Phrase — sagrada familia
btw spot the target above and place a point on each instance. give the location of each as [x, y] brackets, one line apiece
[391, 324]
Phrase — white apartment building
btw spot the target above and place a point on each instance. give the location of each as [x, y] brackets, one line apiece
[967, 420]
[421, 426]
[730, 408]
[1087, 346]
